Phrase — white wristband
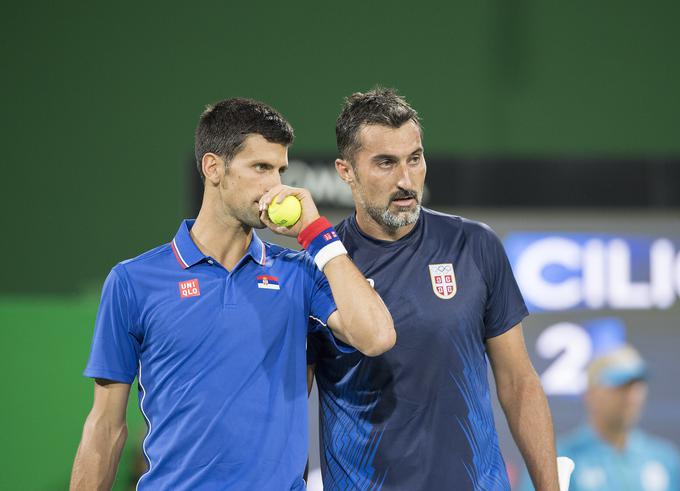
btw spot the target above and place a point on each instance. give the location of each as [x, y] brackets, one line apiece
[334, 249]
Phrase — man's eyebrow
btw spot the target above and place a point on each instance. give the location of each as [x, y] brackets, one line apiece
[384, 156]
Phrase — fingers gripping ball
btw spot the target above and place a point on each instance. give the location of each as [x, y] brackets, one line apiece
[286, 213]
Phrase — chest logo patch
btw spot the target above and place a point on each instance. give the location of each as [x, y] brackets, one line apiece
[268, 282]
[443, 280]
[189, 288]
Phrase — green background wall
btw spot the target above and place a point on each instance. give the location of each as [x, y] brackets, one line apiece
[100, 101]
[99, 104]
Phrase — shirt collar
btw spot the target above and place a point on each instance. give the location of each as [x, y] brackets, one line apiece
[187, 252]
[257, 250]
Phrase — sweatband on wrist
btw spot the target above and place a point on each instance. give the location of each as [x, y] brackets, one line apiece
[321, 241]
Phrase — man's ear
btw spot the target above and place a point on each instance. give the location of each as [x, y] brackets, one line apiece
[213, 167]
[345, 170]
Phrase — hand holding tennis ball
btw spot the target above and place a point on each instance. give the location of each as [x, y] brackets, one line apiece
[287, 210]
[286, 213]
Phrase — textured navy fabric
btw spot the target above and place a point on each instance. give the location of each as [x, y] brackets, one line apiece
[419, 416]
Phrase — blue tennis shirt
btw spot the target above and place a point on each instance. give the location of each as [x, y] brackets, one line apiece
[220, 360]
[419, 416]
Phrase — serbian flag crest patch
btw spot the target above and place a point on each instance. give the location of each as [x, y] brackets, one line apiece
[443, 280]
[268, 282]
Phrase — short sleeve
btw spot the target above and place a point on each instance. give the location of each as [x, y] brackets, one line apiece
[115, 351]
[322, 306]
[505, 306]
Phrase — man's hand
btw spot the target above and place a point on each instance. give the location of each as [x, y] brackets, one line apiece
[308, 215]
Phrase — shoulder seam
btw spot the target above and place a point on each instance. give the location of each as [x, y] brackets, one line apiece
[148, 254]
[474, 261]
[131, 288]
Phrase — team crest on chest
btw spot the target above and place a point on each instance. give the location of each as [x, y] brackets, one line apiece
[443, 280]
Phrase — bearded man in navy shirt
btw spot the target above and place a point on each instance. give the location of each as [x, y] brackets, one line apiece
[419, 417]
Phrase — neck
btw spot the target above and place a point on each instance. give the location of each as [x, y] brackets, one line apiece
[378, 231]
[616, 436]
[223, 238]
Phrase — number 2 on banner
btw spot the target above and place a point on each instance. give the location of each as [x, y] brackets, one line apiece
[572, 346]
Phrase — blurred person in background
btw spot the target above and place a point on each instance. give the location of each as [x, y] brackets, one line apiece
[213, 325]
[419, 417]
[610, 452]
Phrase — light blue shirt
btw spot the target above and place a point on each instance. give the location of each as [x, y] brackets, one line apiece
[646, 463]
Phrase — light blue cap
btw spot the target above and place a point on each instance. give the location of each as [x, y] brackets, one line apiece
[616, 368]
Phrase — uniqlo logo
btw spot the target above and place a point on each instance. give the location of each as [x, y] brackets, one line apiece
[189, 288]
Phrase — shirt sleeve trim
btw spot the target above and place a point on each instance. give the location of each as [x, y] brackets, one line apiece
[112, 375]
[337, 344]
[511, 322]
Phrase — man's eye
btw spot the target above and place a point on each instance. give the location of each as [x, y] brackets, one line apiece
[261, 167]
[385, 163]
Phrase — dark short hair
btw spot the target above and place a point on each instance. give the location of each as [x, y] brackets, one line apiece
[224, 126]
[378, 106]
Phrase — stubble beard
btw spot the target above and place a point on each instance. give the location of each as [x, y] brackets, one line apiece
[250, 218]
[384, 217]
[248, 215]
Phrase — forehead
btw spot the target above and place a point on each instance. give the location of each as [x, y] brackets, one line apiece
[381, 139]
[256, 147]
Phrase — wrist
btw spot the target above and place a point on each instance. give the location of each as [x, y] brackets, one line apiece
[321, 241]
[307, 221]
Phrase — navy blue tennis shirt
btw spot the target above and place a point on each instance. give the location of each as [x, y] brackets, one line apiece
[419, 416]
[220, 361]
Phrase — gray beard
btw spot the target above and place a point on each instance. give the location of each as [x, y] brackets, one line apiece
[385, 218]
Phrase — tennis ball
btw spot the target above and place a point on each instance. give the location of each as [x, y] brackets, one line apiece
[286, 213]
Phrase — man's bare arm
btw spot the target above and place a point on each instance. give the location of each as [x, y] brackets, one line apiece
[104, 436]
[525, 406]
[362, 319]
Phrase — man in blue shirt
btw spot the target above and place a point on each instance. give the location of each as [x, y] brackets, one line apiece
[419, 417]
[610, 453]
[214, 325]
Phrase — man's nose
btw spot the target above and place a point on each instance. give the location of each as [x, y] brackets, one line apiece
[405, 181]
[275, 179]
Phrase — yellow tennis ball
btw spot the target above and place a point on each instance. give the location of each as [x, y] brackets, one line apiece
[286, 213]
